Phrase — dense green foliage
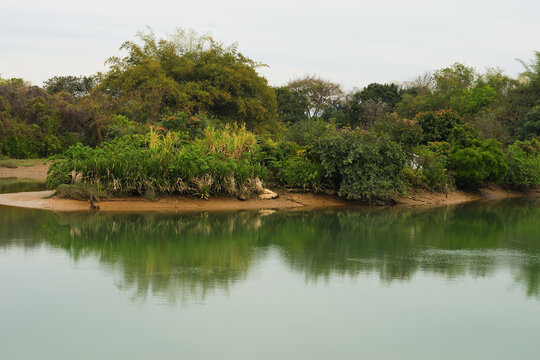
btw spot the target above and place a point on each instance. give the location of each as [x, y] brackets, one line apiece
[34, 123]
[361, 165]
[531, 124]
[218, 163]
[524, 164]
[429, 170]
[73, 85]
[479, 164]
[192, 72]
[168, 115]
[438, 126]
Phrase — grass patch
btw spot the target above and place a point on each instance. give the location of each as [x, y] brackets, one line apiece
[80, 192]
[10, 164]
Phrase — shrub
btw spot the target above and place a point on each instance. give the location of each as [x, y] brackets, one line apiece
[120, 125]
[414, 177]
[523, 164]
[478, 164]
[362, 165]
[306, 132]
[193, 125]
[272, 156]
[157, 163]
[299, 171]
[429, 170]
[21, 141]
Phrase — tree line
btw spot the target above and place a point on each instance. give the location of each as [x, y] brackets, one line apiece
[190, 94]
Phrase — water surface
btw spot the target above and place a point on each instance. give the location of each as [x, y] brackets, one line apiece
[14, 185]
[445, 283]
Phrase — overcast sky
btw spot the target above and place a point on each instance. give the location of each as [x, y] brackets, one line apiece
[350, 42]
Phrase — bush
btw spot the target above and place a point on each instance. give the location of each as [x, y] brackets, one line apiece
[120, 125]
[523, 164]
[21, 141]
[193, 125]
[306, 132]
[362, 165]
[298, 171]
[429, 170]
[220, 163]
[481, 163]
[272, 156]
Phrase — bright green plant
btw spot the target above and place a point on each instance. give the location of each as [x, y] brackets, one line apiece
[157, 163]
[523, 164]
[481, 163]
[298, 171]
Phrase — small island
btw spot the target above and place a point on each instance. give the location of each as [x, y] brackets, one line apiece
[176, 124]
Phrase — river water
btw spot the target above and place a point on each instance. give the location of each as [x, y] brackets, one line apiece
[459, 282]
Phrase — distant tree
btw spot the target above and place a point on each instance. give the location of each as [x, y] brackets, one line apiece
[74, 85]
[454, 78]
[532, 70]
[423, 81]
[351, 110]
[531, 124]
[438, 126]
[496, 79]
[36, 123]
[416, 95]
[389, 94]
[292, 104]
[320, 93]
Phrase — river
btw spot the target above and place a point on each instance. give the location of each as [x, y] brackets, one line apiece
[460, 282]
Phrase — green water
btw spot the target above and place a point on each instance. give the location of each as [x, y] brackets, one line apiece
[14, 185]
[446, 283]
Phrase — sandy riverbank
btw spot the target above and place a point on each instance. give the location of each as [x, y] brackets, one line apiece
[39, 200]
[425, 198]
[27, 169]
[42, 199]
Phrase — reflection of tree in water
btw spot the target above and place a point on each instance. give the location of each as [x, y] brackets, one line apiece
[396, 243]
[163, 254]
[12, 185]
[190, 255]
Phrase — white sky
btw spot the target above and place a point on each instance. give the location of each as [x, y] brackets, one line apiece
[350, 42]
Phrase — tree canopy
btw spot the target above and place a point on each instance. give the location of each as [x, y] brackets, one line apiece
[188, 72]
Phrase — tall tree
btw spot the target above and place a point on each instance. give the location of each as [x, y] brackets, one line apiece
[292, 104]
[320, 93]
[192, 72]
[74, 85]
[386, 93]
